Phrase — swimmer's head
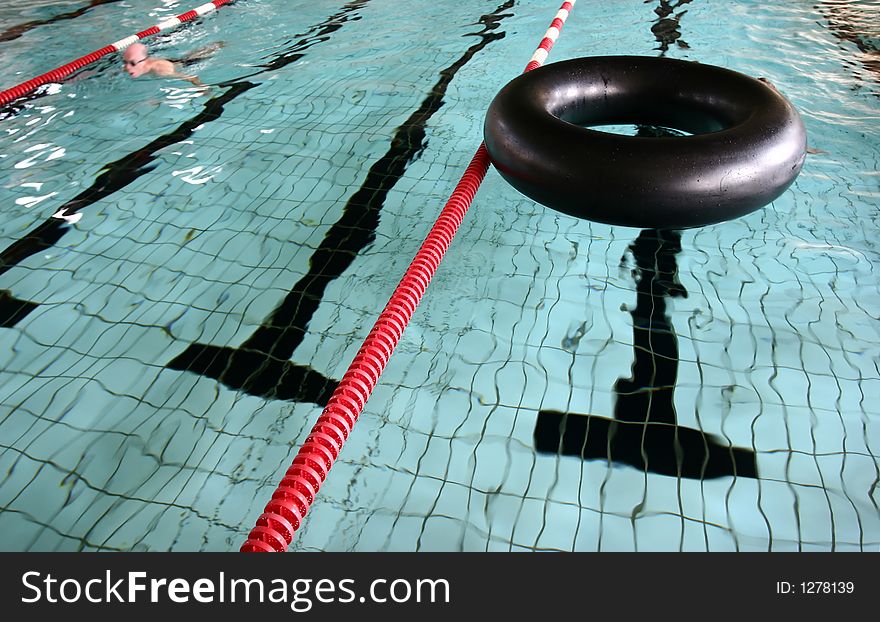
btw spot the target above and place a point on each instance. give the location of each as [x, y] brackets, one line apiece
[133, 59]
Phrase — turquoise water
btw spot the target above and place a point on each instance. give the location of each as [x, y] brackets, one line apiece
[166, 349]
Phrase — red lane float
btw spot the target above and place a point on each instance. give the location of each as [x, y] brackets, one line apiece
[290, 502]
[58, 74]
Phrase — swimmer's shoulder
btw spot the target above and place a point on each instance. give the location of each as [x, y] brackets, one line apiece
[162, 67]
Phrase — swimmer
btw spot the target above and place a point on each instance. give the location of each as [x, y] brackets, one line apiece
[137, 62]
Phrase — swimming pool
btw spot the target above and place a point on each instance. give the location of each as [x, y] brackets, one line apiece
[164, 356]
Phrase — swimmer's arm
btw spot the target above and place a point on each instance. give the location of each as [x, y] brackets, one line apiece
[166, 69]
[193, 79]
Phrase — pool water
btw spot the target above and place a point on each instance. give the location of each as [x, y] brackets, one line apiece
[168, 339]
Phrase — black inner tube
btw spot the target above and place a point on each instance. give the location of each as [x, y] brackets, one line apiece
[747, 142]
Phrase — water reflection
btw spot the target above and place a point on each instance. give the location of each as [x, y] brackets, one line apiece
[858, 23]
[666, 27]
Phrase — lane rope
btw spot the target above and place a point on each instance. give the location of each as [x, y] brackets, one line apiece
[284, 513]
[58, 74]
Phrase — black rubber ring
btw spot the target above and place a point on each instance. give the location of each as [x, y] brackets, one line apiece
[748, 142]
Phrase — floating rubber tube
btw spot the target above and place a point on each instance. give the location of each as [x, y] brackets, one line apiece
[293, 497]
[58, 74]
[748, 142]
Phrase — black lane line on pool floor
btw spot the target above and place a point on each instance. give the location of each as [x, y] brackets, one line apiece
[15, 32]
[117, 175]
[644, 432]
[12, 309]
[666, 28]
[261, 365]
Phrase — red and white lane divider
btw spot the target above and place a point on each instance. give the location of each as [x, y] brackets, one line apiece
[56, 75]
[550, 36]
[290, 502]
